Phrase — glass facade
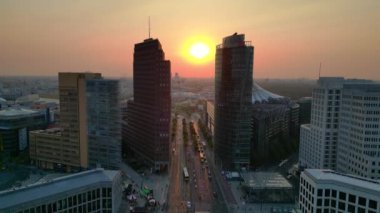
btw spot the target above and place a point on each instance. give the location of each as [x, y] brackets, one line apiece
[104, 123]
[233, 94]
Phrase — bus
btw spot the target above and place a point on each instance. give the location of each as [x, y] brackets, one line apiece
[185, 174]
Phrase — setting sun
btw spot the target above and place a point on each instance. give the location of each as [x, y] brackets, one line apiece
[198, 50]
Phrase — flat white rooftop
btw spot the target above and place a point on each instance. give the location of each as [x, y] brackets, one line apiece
[34, 192]
[328, 176]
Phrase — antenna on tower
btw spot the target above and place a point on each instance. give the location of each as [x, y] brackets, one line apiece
[149, 27]
[320, 68]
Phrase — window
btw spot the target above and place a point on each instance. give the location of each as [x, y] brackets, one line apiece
[327, 192]
[342, 206]
[319, 202]
[351, 209]
[320, 192]
[351, 198]
[372, 204]
[362, 201]
[342, 196]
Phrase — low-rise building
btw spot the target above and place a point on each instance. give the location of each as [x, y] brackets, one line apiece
[95, 190]
[329, 191]
[267, 187]
[46, 150]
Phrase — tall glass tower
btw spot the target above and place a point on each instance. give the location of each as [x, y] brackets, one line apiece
[233, 94]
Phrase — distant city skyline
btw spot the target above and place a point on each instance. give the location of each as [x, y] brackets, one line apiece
[291, 37]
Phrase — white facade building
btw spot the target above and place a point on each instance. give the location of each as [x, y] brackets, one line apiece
[318, 141]
[327, 191]
[359, 132]
[95, 190]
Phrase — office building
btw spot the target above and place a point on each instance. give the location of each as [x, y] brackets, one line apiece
[104, 123]
[90, 129]
[15, 123]
[233, 93]
[73, 116]
[270, 131]
[96, 190]
[359, 133]
[148, 116]
[318, 141]
[319, 144]
[274, 125]
[46, 150]
[329, 191]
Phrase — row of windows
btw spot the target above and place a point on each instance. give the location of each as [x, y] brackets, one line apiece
[85, 202]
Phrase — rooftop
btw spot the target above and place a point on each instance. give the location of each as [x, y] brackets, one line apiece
[260, 95]
[265, 180]
[50, 131]
[15, 197]
[320, 175]
[12, 112]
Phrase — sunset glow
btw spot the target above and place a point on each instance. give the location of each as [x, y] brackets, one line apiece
[198, 50]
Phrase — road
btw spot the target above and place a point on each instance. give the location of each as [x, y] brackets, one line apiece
[199, 189]
[178, 189]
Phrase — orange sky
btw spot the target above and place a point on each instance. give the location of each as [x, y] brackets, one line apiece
[290, 37]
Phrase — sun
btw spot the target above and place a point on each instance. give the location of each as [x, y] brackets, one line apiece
[198, 50]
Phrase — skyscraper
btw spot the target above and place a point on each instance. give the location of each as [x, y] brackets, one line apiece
[148, 116]
[90, 129]
[104, 123]
[73, 116]
[359, 133]
[331, 116]
[233, 93]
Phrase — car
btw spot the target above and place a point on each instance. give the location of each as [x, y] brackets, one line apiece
[215, 195]
[188, 204]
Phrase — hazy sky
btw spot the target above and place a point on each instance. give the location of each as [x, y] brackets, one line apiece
[290, 37]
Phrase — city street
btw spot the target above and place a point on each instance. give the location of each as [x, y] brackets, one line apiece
[178, 188]
[196, 194]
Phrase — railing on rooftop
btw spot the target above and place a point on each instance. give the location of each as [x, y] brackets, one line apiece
[245, 43]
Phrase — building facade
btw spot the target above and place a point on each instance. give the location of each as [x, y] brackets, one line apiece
[321, 143]
[304, 110]
[233, 93]
[210, 119]
[46, 151]
[148, 117]
[359, 132]
[104, 123]
[96, 190]
[270, 129]
[90, 128]
[15, 123]
[329, 191]
[73, 116]
[318, 141]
